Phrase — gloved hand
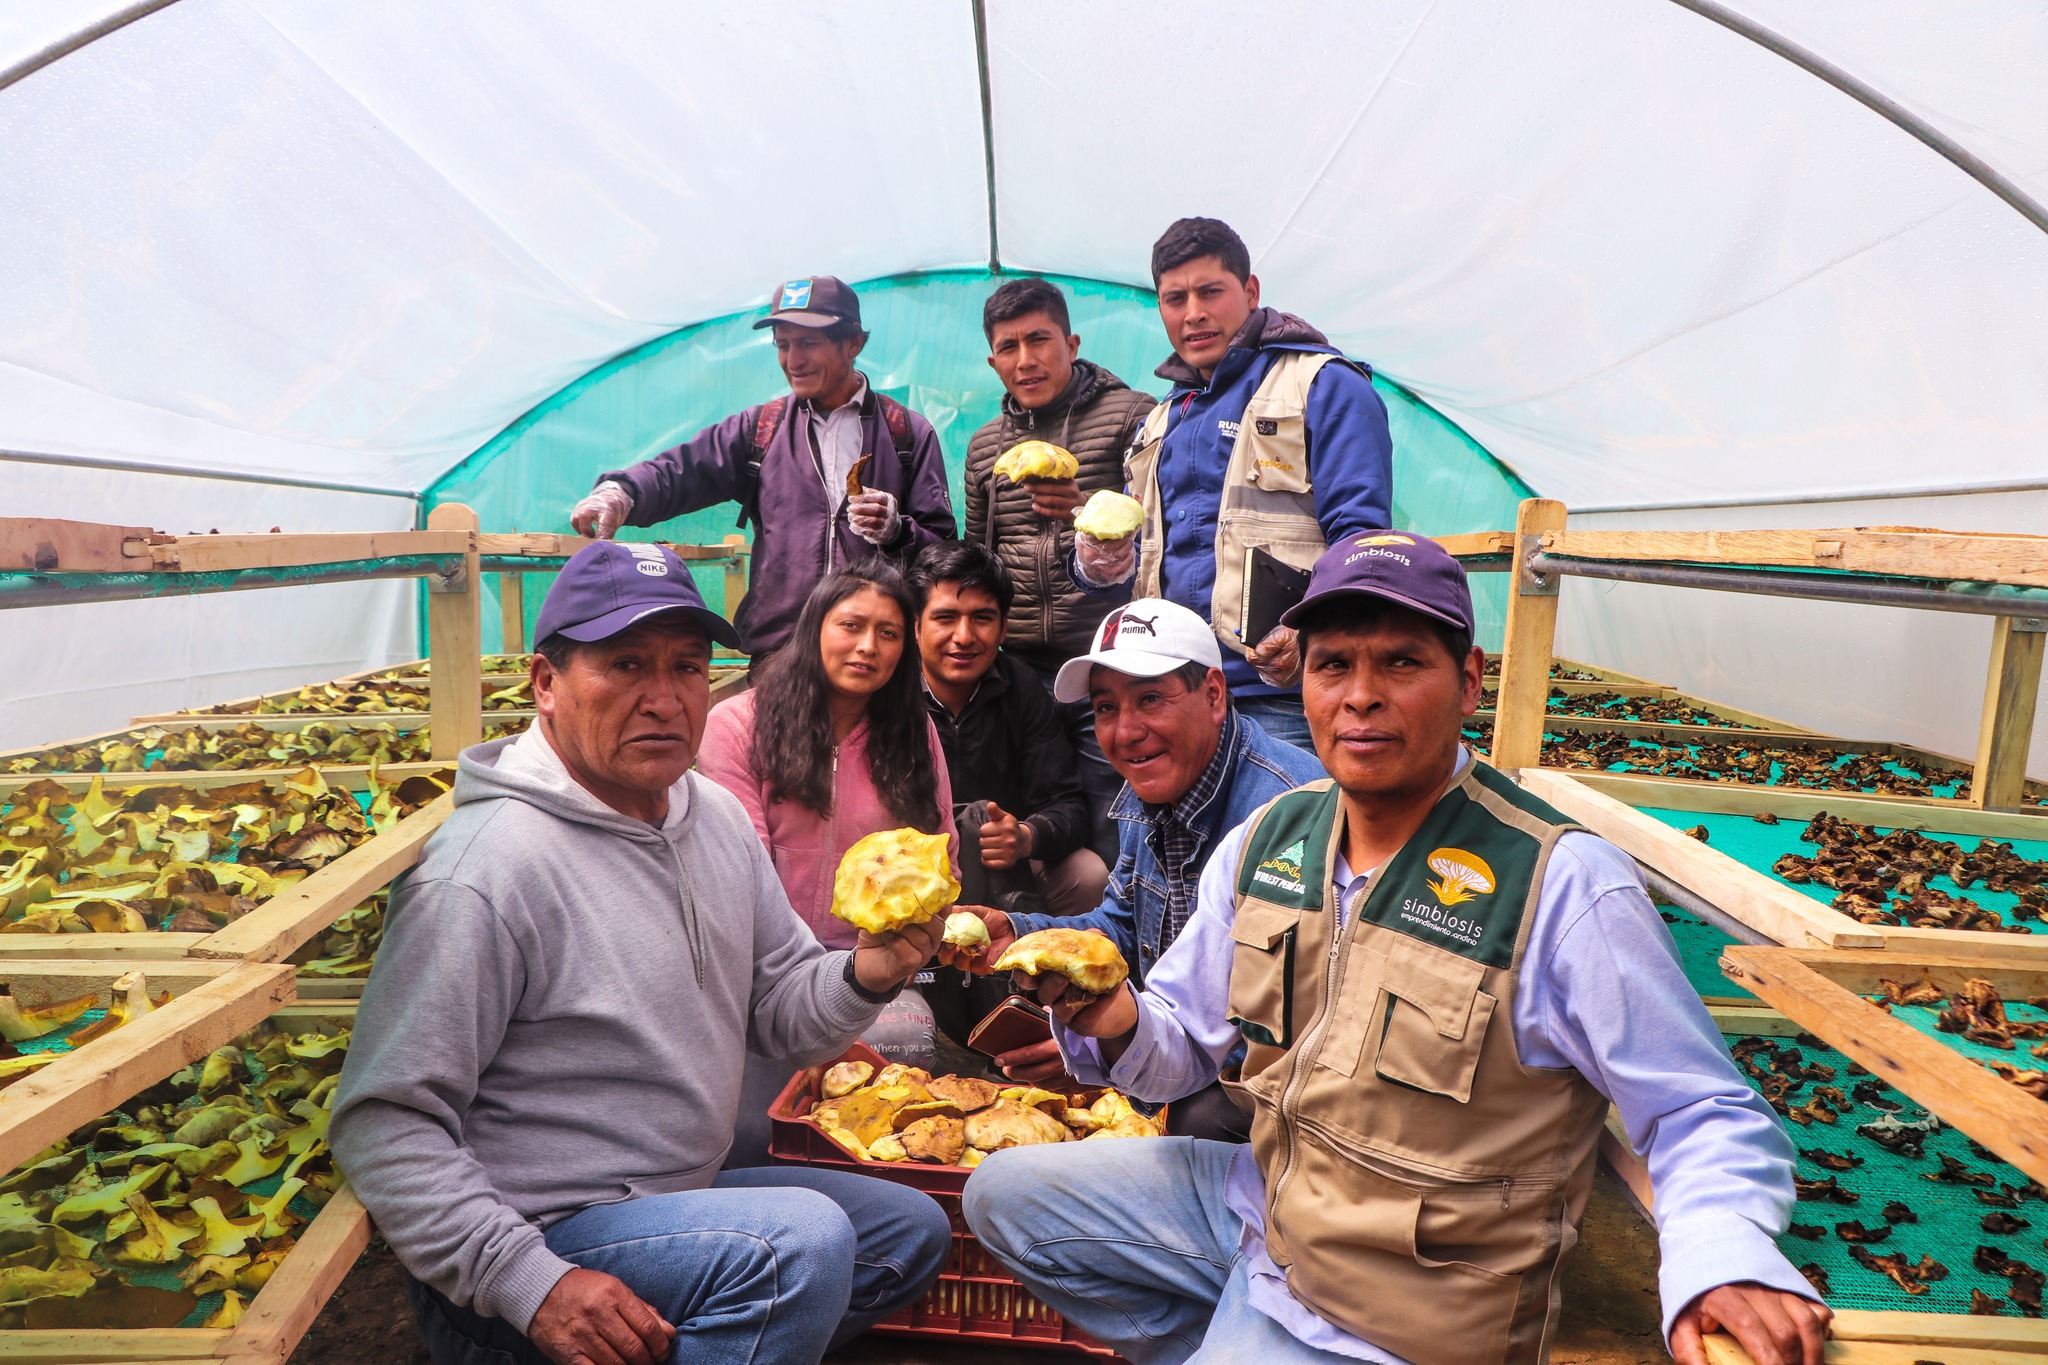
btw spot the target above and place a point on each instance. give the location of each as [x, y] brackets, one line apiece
[603, 512]
[873, 516]
[1105, 563]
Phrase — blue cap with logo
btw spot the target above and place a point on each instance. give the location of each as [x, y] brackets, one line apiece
[609, 586]
[820, 301]
[1410, 571]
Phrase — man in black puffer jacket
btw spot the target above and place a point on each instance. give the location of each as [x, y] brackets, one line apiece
[1050, 395]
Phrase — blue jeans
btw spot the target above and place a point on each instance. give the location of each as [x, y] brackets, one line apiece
[772, 1265]
[1131, 1240]
[1280, 715]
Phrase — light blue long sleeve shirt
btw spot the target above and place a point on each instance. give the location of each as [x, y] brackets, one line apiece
[1600, 991]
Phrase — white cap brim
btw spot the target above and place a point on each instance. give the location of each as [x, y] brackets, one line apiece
[1070, 684]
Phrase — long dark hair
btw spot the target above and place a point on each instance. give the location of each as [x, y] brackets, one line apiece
[792, 753]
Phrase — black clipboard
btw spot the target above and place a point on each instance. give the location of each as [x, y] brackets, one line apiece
[1271, 587]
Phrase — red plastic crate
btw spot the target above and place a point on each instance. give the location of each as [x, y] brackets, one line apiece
[975, 1299]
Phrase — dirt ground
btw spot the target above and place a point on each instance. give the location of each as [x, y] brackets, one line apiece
[1610, 1310]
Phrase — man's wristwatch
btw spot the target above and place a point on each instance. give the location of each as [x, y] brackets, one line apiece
[872, 997]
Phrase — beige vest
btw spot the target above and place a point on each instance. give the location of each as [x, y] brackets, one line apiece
[1267, 497]
[1423, 1186]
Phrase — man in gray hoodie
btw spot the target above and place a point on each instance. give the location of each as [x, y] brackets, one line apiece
[546, 1064]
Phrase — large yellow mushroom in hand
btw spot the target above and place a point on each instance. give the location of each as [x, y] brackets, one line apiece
[1036, 460]
[895, 878]
[1109, 515]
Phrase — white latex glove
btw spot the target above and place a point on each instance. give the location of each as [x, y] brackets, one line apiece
[603, 512]
[1105, 563]
[1277, 658]
[873, 516]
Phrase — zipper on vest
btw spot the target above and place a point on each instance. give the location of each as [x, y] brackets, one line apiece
[1506, 1184]
[1304, 1061]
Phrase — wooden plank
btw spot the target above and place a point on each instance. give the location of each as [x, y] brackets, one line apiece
[1620, 1157]
[511, 615]
[289, 1301]
[281, 550]
[1693, 734]
[141, 1348]
[1723, 1350]
[275, 929]
[2011, 688]
[1744, 1018]
[52, 1100]
[144, 947]
[1478, 544]
[292, 720]
[38, 981]
[1526, 646]
[2016, 976]
[736, 573]
[1772, 909]
[455, 645]
[1941, 1329]
[541, 544]
[2017, 559]
[730, 686]
[2001, 1116]
[1803, 803]
[53, 545]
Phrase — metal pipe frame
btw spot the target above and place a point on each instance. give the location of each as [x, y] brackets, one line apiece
[1664, 889]
[1978, 599]
[67, 589]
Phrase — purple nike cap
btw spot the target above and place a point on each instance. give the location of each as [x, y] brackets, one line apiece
[610, 585]
[1408, 570]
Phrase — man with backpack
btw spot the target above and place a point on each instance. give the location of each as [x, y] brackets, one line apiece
[828, 473]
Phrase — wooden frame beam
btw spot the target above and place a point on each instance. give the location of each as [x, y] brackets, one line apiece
[455, 644]
[2020, 560]
[511, 614]
[1526, 646]
[1939, 814]
[2011, 689]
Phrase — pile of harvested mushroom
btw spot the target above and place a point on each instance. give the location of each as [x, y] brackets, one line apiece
[904, 1113]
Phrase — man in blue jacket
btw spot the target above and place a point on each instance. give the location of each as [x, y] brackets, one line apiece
[829, 473]
[1194, 767]
[1270, 440]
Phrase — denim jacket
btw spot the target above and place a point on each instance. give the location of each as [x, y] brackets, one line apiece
[1133, 908]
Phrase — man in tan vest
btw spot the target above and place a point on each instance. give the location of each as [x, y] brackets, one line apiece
[1270, 441]
[1441, 985]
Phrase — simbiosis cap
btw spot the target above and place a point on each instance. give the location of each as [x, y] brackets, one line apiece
[610, 586]
[820, 301]
[1146, 639]
[1410, 571]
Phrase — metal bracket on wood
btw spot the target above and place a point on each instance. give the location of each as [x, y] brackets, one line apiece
[2030, 625]
[1528, 581]
[454, 578]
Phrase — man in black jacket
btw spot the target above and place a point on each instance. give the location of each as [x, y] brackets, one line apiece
[1024, 824]
[1050, 394]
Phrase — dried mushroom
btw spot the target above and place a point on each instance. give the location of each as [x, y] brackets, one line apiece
[846, 1077]
[1007, 1123]
[935, 1139]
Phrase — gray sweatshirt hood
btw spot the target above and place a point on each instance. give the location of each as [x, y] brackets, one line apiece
[525, 767]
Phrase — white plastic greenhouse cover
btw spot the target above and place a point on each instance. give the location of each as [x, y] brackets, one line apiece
[1642, 259]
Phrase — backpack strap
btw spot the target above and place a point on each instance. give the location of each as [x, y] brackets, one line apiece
[897, 418]
[767, 419]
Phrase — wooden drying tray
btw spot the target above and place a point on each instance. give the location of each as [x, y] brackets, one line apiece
[244, 708]
[213, 1003]
[274, 930]
[1780, 912]
[1861, 1336]
[276, 1319]
[1824, 992]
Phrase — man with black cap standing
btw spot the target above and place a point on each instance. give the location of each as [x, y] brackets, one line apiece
[1440, 985]
[545, 1070]
[828, 473]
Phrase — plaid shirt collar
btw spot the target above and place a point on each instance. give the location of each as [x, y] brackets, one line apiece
[1179, 835]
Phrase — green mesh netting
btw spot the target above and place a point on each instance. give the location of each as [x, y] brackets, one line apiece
[1699, 947]
[1950, 1225]
[1758, 846]
[926, 351]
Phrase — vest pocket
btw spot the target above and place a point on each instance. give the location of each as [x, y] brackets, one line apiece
[1276, 449]
[1262, 973]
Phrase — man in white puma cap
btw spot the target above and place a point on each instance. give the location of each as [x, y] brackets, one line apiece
[1193, 769]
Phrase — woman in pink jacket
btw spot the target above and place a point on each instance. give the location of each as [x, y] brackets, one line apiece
[833, 744]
